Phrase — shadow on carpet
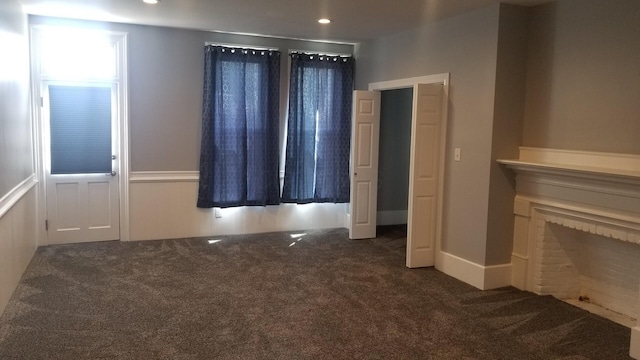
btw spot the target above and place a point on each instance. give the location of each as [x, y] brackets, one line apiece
[278, 296]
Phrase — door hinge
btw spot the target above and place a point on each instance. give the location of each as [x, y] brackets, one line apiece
[41, 101]
[46, 225]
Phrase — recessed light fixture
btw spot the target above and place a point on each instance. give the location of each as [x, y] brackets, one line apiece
[324, 21]
[153, 2]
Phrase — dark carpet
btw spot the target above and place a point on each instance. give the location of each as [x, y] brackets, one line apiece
[274, 296]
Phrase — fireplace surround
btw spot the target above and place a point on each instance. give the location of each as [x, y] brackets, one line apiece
[577, 228]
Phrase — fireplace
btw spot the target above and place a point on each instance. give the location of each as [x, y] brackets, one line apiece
[577, 229]
[573, 262]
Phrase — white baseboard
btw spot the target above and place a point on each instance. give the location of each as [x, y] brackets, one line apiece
[393, 217]
[479, 276]
[519, 271]
[497, 276]
[634, 348]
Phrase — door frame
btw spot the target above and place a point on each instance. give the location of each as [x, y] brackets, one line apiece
[38, 127]
[412, 83]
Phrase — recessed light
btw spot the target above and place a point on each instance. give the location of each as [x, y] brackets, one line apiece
[324, 21]
[153, 2]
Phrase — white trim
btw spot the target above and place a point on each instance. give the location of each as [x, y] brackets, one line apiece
[163, 176]
[614, 167]
[582, 172]
[585, 158]
[519, 271]
[14, 195]
[623, 226]
[281, 37]
[634, 348]
[320, 53]
[497, 276]
[392, 217]
[546, 204]
[124, 158]
[412, 83]
[167, 210]
[37, 133]
[240, 46]
[479, 276]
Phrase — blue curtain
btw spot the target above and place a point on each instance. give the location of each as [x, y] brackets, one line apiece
[319, 129]
[240, 122]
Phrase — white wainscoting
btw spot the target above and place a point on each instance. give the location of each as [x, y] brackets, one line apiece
[162, 205]
[17, 236]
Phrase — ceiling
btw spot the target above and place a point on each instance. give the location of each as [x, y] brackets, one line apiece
[352, 20]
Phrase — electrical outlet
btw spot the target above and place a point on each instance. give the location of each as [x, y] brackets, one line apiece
[217, 213]
[456, 155]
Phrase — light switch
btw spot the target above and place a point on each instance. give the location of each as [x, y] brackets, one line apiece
[456, 155]
[217, 213]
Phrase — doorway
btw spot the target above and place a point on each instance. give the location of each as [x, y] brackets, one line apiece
[79, 91]
[426, 164]
[394, 156]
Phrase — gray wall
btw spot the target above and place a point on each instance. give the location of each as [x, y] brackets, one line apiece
[395, 146]
[17, 224]
[165, 88]
[507, 129]
[560, 75]
[15, 126]
[583, 80]
[465, 46]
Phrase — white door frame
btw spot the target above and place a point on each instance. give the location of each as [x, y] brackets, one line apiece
[411, 83]
[38, 133]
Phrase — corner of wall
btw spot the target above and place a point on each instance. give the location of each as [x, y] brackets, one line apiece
[506, 137]
[634, 350]
[479, 276]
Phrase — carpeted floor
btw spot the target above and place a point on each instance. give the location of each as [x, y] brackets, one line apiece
[274, 296]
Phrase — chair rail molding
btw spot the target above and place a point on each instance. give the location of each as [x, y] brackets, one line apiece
[164, 176]
[15, 194]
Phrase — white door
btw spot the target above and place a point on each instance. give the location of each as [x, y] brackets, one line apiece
[364, 164]
[81, 172]
[424, 175]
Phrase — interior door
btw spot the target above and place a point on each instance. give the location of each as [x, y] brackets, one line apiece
[81, 172]
[364, 164]
[424, 174]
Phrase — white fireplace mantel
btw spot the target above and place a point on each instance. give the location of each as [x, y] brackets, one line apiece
[597, 193]
[608, 167]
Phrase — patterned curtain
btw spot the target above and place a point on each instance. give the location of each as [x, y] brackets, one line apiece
[240, 122]
[319, 129]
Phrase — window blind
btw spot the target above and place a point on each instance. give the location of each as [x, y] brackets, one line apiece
[80, 124]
